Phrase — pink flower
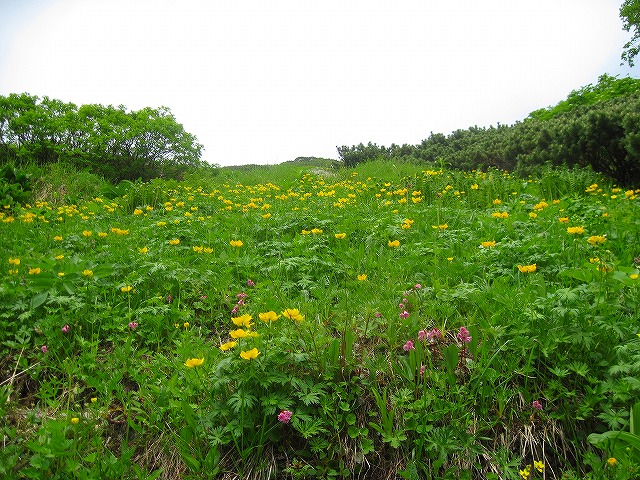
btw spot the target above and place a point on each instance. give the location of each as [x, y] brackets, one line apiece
[434, 334]
[417, 286]
[44, 348]
[285, 416]
[401, 306]
[464, 336]
[422, 369]
[536, 404]
[409, 346]
[133, 325]
[404, 314]
[422, 334]
[378, 315]
[234, 310]
[250, 283]
[242, 295]
[169, 298]
[66, 329]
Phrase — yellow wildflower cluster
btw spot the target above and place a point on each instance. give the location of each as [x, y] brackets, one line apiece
[500, 214]
[527, 472]
[527, 268]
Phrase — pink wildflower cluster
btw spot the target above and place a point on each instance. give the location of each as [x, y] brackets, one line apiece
[240, 303]
[536, 405]
[285, 416]
[430, 335]
[464, 336]
[404, 305]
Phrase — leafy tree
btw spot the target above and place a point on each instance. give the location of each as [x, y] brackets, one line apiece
[630, 15]
[607, 88]
[110, 141]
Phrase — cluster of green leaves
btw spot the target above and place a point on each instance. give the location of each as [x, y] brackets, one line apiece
[109, 141]
[597, 126]
[114, 309]
[15, 186]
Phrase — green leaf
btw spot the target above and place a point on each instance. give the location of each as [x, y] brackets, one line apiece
[578, 274]
[39, 299]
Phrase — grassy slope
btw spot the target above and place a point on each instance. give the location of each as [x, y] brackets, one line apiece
[562, 335]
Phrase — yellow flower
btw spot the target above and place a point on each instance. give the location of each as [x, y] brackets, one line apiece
[488, 244]
[236, 243]
[563, 219]
[266, 215]
[137, 211]
[527, 268]
[596, 239]
[497, 201]
[198, 249]
[61, 274]
[161, 224]
[87, 273]
[128, 288]
[208, 250]
[94, 399]
[575, 230]
[87, 233]
[228, 346]
[58, 238]
[526, 473]
[533, 214]
[14, 261]
[269, 316]
[340, 236]
[474, 186]
[612, 462]
[194, 362]
[143, 250]
[633, 276]
[174, 241]
[34, 271]
[316, 231]
[242, 321]
[59, 257]
[500, 215]
[186, 324]
[250, 354]
[239, 333]
[75, 420]
[394, 243]
[293, 314]
[450, 259]
[539, 465]
[362, 277]
[102, 234]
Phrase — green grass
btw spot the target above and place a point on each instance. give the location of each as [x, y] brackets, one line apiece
[114, 296]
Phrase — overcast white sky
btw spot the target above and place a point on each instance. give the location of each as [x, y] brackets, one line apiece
[264, 81]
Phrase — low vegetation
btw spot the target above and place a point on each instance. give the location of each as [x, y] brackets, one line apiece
[388, 321]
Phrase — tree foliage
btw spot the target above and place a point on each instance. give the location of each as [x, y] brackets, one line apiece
[110, 141]
[597, 126]
[630, 15]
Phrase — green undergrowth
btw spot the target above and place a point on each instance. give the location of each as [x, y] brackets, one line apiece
[390, 321]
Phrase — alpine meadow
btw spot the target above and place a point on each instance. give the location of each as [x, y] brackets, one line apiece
[466, 308]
